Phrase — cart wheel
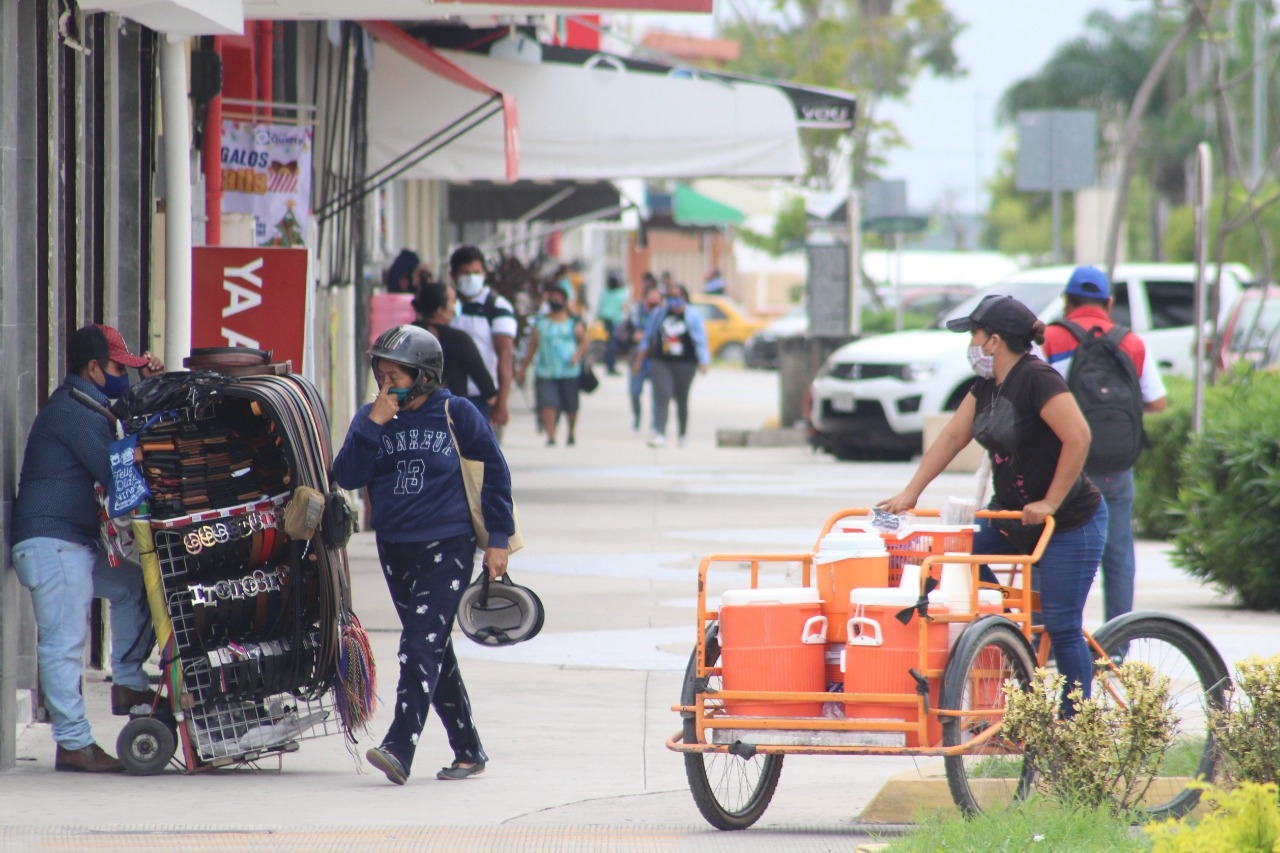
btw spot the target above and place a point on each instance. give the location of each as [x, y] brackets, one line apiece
[145, 746]
[731, 792]
[1198, 680]
[992, 776]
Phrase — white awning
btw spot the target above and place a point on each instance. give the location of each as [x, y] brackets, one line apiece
[580, 123]
[177, 17]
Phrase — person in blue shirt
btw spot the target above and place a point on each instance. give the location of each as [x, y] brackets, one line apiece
[402, 448]
[58, 552]
[557, 346]
[676, 343]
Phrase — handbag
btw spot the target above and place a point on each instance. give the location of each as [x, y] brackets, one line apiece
[587, 381]
[473, 482]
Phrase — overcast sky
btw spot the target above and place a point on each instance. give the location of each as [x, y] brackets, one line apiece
[950, 125]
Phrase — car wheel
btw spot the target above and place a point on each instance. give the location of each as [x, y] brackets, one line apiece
[731, 352]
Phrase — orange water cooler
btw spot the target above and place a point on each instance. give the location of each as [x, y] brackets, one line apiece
[772, 639]
[880, 650]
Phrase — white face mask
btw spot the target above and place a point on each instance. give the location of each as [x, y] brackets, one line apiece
[470, 285]
[984, 365]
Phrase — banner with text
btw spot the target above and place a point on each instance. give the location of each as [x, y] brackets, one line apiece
[246, 297]
[266, 171]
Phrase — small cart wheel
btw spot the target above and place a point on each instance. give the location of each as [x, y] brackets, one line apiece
[731, 792]
[994, 775]
[145, 746]
[1198, 681]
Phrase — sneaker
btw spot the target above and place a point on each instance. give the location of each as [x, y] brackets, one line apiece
[657, 440]
[570, 442]
[683, 441]
[457, 771]
[551, 442]
[382, 759]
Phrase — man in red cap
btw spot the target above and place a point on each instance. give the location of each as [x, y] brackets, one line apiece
[58, 552]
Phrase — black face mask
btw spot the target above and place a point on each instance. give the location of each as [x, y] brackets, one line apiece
[557, 304]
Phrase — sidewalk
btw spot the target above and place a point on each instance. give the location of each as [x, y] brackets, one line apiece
[575, 721]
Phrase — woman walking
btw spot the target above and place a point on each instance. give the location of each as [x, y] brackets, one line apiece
[404, 446]
[558, 343]
[1021, 411]
[435, 305]
[676, 343]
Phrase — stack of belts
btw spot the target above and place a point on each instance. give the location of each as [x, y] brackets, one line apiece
[255, 615]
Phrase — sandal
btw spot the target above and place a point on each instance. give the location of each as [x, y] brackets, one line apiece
[382, 759]
[457, 771]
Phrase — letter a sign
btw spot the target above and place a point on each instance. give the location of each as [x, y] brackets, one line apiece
[246, 297]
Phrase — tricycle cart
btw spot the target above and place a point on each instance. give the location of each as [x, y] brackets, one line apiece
[942, 699]
[254, 625]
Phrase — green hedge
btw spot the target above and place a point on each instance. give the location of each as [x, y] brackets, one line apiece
[1159, 468]
[1228, 500]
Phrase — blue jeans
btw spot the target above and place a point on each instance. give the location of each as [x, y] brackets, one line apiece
[1063, 577]
[64, 578]
[636, 388]
[1118, 562]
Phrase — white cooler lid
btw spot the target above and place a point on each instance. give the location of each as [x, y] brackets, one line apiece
[851, 542]
[885, 596]
[781, 595]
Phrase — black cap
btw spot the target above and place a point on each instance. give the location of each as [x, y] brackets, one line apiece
[1002, 314]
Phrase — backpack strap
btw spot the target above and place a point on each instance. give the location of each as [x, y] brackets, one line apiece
[1077, 331]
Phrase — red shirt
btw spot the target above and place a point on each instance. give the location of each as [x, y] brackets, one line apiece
[1060, 344]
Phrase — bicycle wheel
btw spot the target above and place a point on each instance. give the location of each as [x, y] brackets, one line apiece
[731, 791]
[1198, 680]
[991, 776]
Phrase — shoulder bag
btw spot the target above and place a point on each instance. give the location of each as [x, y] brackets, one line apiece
[473, 482]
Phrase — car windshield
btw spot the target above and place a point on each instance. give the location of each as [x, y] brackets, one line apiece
[1036, 295]
[1257, 321]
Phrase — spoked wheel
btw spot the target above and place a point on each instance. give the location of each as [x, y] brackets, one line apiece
[992, 775]
[1198, 680]
[732, 792]
[145, 746]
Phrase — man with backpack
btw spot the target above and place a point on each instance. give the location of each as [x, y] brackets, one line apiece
[1115, 380]
[490, 320]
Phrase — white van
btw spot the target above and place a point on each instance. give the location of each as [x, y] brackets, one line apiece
[871, 397]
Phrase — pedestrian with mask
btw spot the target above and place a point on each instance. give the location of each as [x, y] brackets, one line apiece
[490, 320]
[58, 552]
[1022, 413]
[676, 343]
[558, 345]
[404, 447]
[635, 324]
[610, 312]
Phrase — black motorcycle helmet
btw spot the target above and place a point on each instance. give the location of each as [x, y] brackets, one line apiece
[500, 613]
[413, 347]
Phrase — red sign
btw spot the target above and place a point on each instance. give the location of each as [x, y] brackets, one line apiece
[247, 297]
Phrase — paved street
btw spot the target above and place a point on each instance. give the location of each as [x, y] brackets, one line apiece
[575, 720]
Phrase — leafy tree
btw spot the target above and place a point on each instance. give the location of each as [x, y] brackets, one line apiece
[874, 48]
[790, 229]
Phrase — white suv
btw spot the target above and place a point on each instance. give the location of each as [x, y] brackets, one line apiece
[871, 397]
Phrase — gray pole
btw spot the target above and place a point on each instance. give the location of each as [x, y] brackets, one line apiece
[1203, 177]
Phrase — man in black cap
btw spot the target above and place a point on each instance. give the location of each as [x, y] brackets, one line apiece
[58, 552]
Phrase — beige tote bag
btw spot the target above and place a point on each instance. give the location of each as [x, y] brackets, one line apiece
[473, 481]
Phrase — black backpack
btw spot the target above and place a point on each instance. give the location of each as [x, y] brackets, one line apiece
[1104, 381]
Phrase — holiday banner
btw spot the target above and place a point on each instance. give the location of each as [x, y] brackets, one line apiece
[266, 171]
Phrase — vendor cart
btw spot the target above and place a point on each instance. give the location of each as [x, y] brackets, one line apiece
[942, 698]
[253, 620]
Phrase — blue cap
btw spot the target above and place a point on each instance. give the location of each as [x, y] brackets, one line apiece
[1088, 283]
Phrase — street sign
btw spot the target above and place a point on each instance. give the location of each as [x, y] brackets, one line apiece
[895, 224]
[884, 199]
[1057, 150]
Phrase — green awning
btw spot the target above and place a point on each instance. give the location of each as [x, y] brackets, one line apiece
[691, 207]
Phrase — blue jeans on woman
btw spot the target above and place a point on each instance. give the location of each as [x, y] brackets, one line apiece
[64, 578]
[1063, 578]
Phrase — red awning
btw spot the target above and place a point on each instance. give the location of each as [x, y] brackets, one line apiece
[422, 54]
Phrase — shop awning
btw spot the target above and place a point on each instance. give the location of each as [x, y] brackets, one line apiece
[579, 123]
[531, 201]
[690, 207]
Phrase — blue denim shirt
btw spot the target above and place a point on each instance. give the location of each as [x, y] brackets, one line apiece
[66, 454]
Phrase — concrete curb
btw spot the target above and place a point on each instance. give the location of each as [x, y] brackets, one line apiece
[775, 437]
[905, 796]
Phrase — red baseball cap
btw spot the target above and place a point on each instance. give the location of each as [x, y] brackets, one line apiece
[100, 342]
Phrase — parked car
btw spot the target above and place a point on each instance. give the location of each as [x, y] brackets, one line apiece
[1251, 329]
[926, 301]
[728, 326]
[872, 396]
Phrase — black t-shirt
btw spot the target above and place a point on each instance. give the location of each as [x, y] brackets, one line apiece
[674, 341]
[462, 359]
[1024, 449]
